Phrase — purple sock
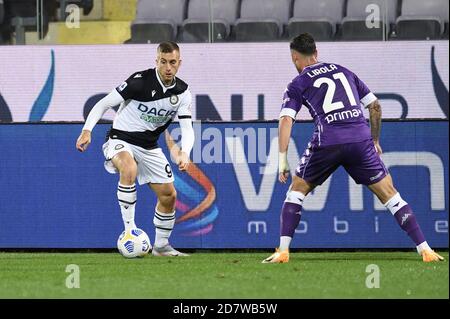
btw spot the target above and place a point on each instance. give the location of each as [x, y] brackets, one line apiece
[407, 221]
[289, 219]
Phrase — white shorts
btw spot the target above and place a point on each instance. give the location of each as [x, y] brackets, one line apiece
[152, 165]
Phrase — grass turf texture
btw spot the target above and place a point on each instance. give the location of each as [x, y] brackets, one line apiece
[223, 275]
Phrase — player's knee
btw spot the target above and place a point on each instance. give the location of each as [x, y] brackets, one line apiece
[300, 185]
[128, 173]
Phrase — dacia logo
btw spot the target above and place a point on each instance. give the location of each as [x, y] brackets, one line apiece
[154, 111]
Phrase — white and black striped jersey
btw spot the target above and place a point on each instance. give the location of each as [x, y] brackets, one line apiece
[148, 108]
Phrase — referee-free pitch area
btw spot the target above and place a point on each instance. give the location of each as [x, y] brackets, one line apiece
[222, 275]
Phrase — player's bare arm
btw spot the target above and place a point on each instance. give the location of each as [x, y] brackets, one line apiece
[284, 134]
[375, 123]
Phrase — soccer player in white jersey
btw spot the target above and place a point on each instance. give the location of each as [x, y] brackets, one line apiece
[149, 101]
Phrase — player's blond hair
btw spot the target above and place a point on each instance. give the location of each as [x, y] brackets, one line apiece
[167, 47]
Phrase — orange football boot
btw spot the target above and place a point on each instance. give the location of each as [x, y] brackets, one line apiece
[430, 256]
[278, 257]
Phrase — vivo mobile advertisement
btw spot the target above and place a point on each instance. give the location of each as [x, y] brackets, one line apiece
[56, 197]
[240, 81]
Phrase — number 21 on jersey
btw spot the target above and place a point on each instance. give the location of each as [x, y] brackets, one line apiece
[328, 104]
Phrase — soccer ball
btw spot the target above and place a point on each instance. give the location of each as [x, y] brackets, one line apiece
[133, 243]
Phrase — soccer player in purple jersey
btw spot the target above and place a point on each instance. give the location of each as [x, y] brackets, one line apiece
[333, 95]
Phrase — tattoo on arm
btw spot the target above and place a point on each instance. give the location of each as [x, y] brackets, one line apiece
[375, 119]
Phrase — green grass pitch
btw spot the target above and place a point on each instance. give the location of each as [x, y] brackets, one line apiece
[222, 275]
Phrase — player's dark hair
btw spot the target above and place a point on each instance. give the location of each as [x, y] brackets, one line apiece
[168, 46]
[304, 43]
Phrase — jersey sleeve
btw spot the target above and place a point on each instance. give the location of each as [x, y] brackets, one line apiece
[184, 111]
[365, 95]
[292, 101]
[130, 88]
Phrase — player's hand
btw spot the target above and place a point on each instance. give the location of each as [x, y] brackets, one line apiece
[283, 168]
[378, 147]
[84, 140]
[182, 161]
[283, 177]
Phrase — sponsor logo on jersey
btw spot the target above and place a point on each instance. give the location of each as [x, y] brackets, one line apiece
[153, 93]
[119, 146]
[154, 119]
[344, 115]
[155, 115]
[122, 86]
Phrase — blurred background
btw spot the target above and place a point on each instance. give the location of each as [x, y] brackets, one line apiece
[152, 21]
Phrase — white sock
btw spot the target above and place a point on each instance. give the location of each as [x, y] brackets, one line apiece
[163, 227]
[423, 246]
[126, 194]
[295, 197]
[285, 242]
[395, 203]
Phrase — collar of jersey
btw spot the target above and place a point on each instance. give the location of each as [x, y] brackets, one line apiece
[309, 66]
[165, 88]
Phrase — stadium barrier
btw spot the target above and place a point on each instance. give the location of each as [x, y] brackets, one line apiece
[55, 197]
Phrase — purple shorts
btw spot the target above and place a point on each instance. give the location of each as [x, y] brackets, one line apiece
[360, 160]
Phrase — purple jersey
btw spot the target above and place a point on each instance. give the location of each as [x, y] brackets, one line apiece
[333, 96]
